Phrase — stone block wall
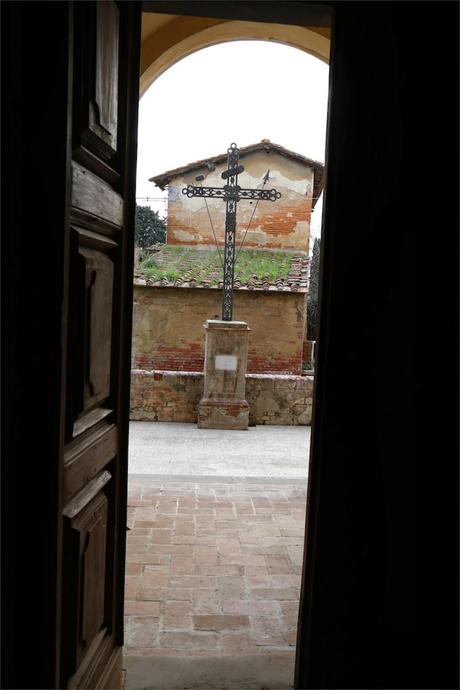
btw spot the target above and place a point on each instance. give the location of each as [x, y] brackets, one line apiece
[173, 396]
[279, 399]
[168, 331]
[165, 396]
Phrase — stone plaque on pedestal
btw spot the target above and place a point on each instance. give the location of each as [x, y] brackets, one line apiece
[224, 405]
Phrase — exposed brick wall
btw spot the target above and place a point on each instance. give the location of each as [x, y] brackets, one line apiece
[168, 396]
[284, 224]
[278, 227]
[281, 219]
[168, 331]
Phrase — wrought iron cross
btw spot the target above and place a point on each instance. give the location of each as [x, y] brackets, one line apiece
[231, 193]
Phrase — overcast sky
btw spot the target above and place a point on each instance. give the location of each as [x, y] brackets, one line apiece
[239, 92]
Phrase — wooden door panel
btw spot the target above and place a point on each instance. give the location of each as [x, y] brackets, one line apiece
[96, 199]
[88, 614]
[92, 527]
[104, 114]
[98, 316]
[97, 88]
[98, 325]
[85, 457]
[91, 321]
[89, 562]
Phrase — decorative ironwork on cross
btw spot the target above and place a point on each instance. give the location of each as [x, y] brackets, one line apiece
[231, 193]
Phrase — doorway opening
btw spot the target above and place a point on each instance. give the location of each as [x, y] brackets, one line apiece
[216, 517]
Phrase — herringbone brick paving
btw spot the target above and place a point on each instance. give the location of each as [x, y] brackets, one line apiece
[213, 568]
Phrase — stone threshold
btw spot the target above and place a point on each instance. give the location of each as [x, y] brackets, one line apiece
[210, 479]
[269, 671]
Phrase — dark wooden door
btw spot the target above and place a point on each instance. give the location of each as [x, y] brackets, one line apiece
[105, 57]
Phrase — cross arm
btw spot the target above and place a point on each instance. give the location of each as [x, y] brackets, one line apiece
[262, 194]
[192, 191]
[236, 193]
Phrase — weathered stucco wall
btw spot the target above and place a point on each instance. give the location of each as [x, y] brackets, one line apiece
[168, 331]
[282, 224]
[172, 396]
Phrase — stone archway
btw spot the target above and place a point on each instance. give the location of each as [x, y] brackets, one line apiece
[166, 39]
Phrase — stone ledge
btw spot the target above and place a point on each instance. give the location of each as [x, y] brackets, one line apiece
[174, 396]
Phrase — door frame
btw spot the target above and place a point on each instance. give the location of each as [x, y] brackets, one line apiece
[35, 85]
[36, 40]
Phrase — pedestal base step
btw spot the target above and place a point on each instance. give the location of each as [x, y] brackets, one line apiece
[223, 414]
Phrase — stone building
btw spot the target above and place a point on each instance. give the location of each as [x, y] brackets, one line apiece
[283, 225]
[177, 287]
[270, 273]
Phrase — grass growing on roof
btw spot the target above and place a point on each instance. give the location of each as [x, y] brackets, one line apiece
[261, 263]
[173, 262]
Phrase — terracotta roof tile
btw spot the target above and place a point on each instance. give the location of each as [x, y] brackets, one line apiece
[186, 267]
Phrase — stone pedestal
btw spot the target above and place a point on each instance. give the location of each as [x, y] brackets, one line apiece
[224, 404]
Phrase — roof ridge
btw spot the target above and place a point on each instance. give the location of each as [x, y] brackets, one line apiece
[160, 180]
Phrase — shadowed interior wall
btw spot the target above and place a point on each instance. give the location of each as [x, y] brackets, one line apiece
[378, 608]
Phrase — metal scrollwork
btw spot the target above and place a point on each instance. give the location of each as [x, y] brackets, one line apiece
[231, 193]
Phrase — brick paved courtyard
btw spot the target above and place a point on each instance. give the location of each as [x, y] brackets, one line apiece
[213, 565]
